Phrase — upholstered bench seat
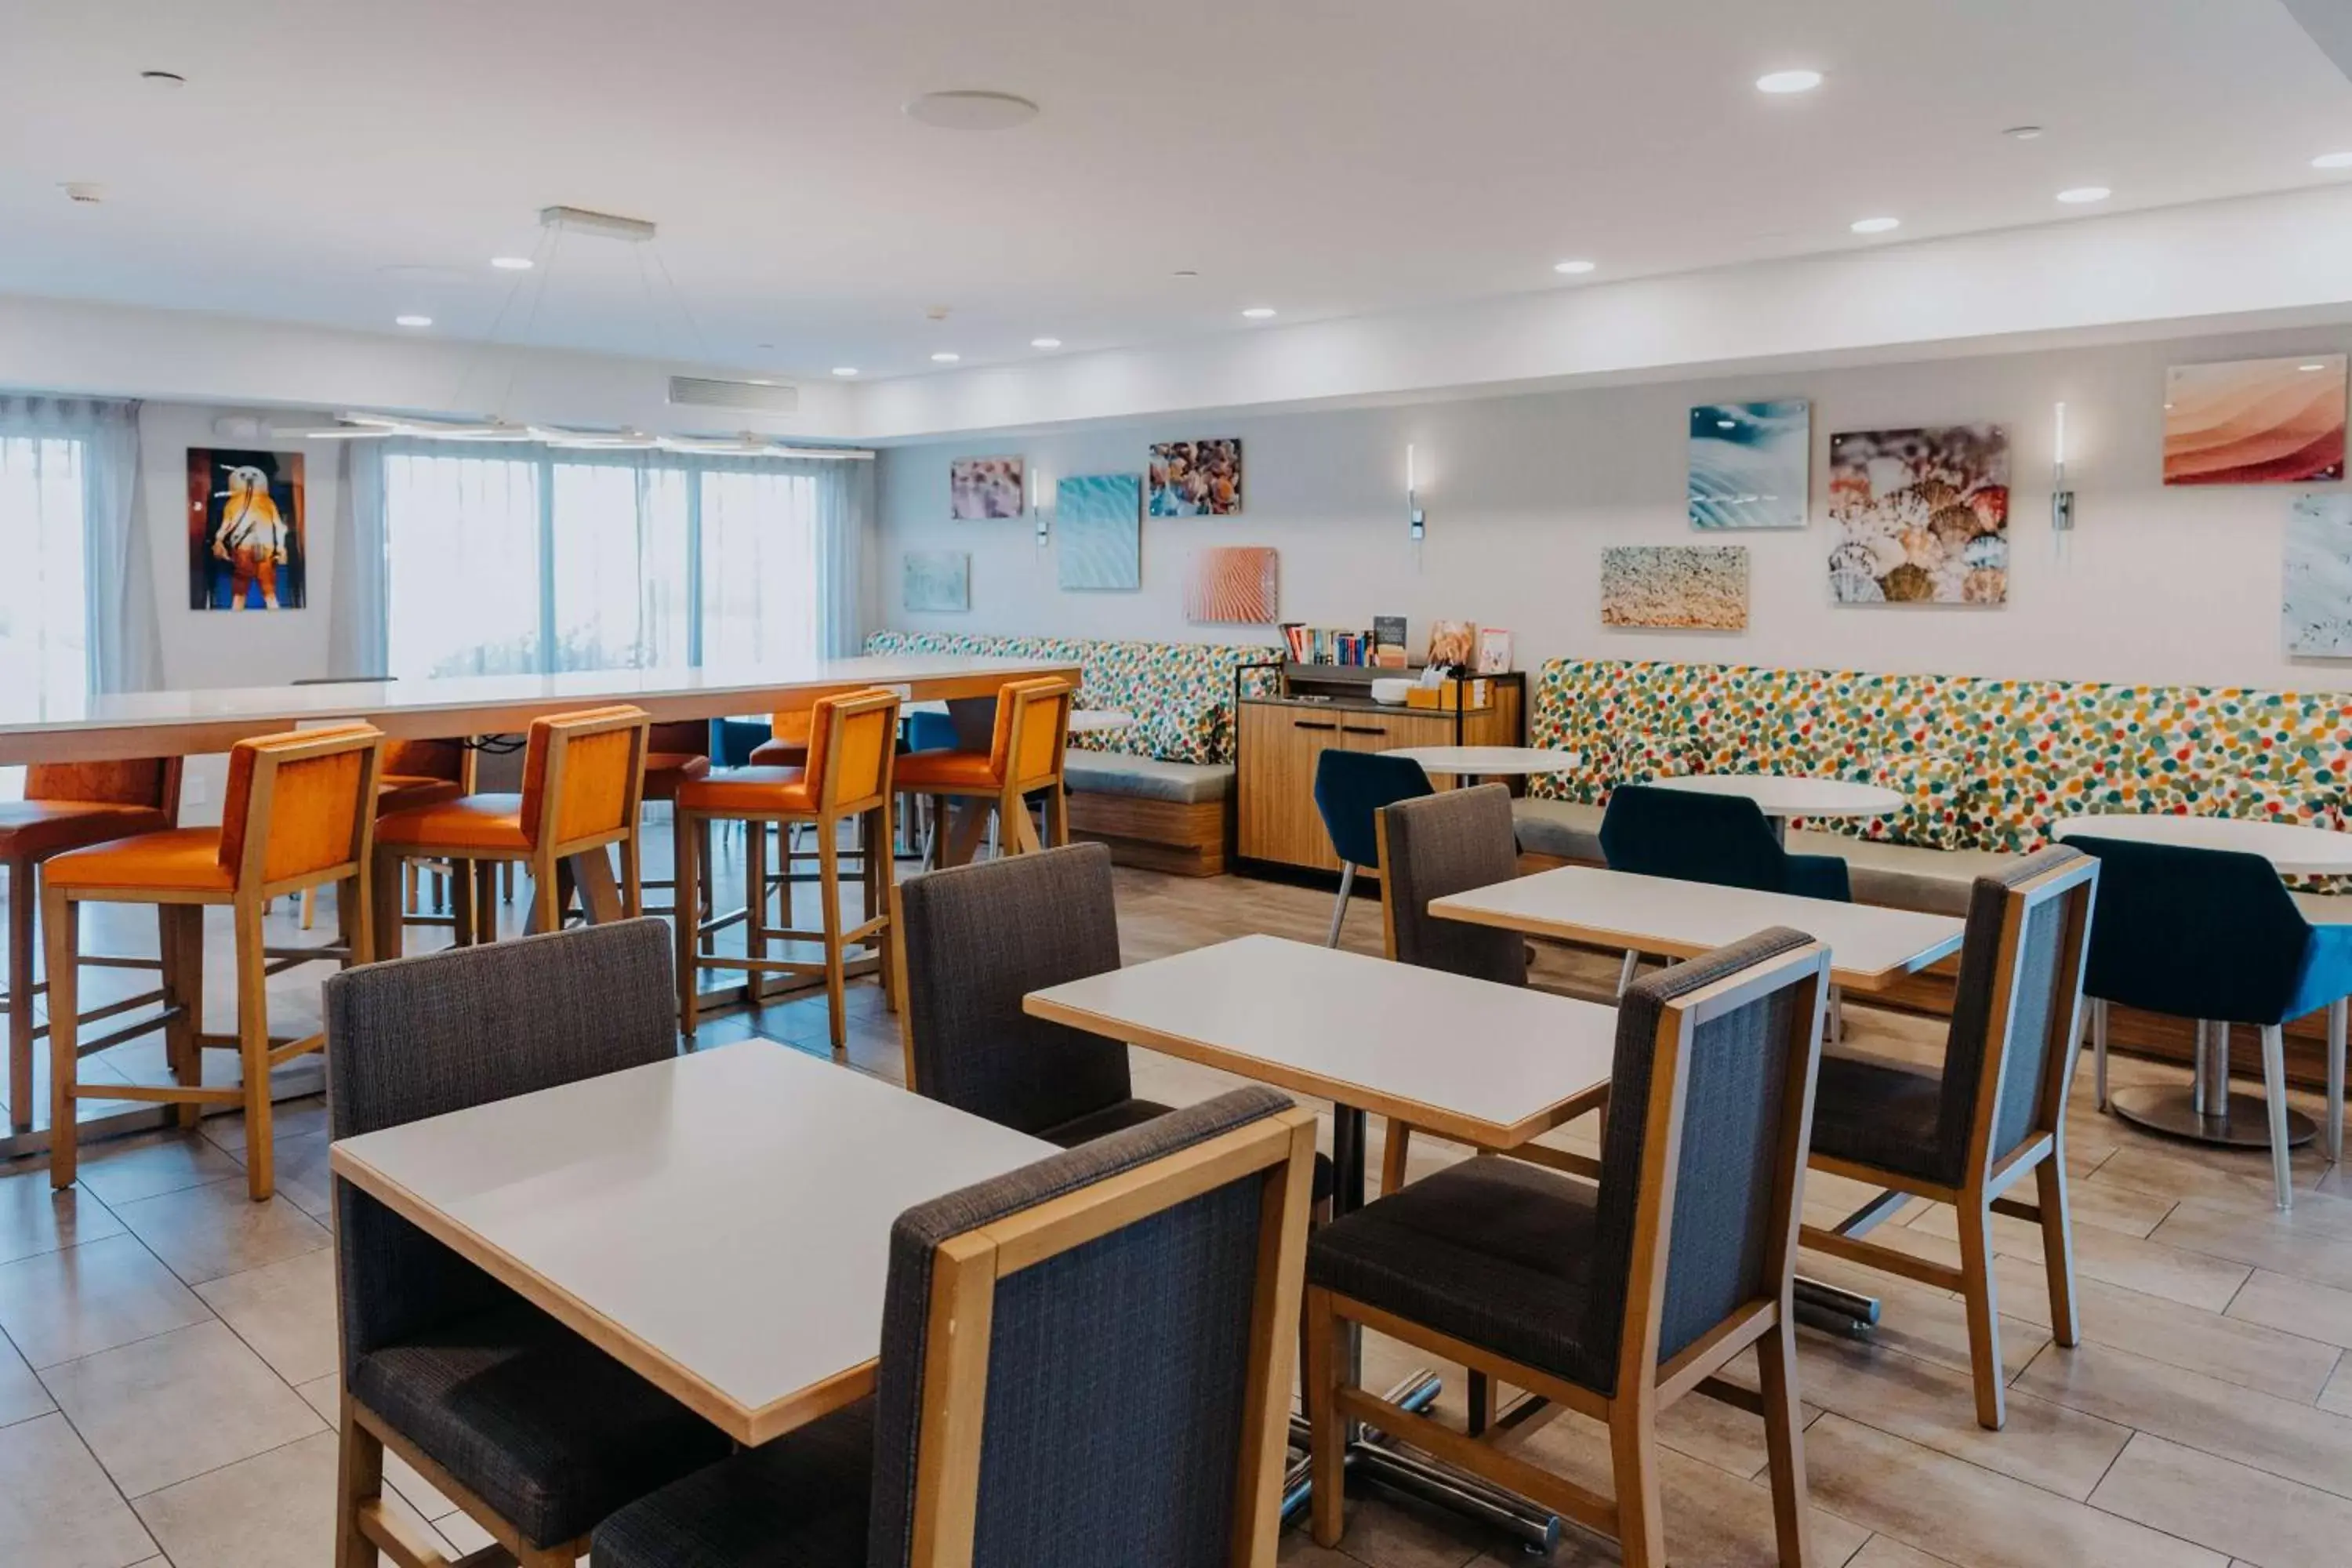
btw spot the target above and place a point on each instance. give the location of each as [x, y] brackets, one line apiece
[1147, 778]
[1166, 817]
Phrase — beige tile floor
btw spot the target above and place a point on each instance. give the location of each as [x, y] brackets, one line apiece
[168, 1368]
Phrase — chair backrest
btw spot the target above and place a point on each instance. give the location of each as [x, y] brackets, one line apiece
[151, 782]
[2014, 1033]
[1350, 787]
[977, 939]
[792, 728]
[422, 1037]
[1703, 1155]
[583, 776]
[1720, 838]
[2194, 933]
[1437, 846]
[300, 807]
[1125, 1321]
[738, 739]
[1032, 731]
[852, 747]
[930, 731]
[680, 737]
[450, 760]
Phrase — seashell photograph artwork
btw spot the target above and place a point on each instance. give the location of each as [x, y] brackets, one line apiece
[1919, 516]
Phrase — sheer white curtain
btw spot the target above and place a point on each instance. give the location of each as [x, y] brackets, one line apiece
[359, 643]
[462, 581]
[77, 593]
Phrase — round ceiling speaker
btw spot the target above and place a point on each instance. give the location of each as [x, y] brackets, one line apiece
[967, 110]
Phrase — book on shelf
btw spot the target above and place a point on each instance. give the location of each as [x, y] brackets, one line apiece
[1328, 645]
[1493, 650]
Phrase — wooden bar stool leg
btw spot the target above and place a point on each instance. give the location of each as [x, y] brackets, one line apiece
[22, 906]
[1784, 1444]
[1983, 1309]
[1057, 815]
[180, 1027]
[600, 897]
[462, 912]
[358, 922]
[633, 878]
[253, 1051]
[486, 896]
[691, 842]
[1641, 1510]
[828, 895]
[65, 1032]
[392, 875]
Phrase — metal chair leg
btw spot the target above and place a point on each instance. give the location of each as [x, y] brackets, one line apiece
[2274, 1095]
[2335, 1020]
[1339, 906]
[1630, 968]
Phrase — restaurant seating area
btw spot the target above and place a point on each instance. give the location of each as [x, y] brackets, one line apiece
[1041, 787]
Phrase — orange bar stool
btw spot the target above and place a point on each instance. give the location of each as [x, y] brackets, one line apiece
[1023, 756]
[414, 773]
[853, 741]
[675, 753]
[582, 778]
[298, 814]
[787, 746]
[68, 805]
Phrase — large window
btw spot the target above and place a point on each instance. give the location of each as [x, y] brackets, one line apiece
[519, 560]
[43, 601]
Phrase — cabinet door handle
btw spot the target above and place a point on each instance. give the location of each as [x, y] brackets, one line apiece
[1362, 730]
[1311, 724]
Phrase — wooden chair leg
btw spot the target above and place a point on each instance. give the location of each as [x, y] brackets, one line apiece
[359, 1480]
[408, 886]
[253, 1051]
[391, 881]
[1984, 1322]
[691, 844]
[64, 943]
[356, 918]
[1784, 1440]
[546, 893]
[1328, 1440]
[633, 878]
[309, 907]
[462, 930]
[181, 1052]
[1634, 1455]
[2058, 1246]
[884, 872]
[1396, 1141]
[23, 908]
[828, 899]
[1057, 815]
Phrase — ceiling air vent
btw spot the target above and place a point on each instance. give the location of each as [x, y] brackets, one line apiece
[759, 396]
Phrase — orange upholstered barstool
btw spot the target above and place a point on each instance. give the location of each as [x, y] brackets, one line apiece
[298, 813]
[675, 753]
[787, 745]
[853, 740]
[68, 805]
[582, 775]
[414, 773]
[1023, 756]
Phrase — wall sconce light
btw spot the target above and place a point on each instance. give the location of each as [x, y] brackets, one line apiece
[1417, 519]
[2062, 499]
[1037, 507]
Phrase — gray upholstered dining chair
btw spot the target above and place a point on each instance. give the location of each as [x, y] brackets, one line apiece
[1430, 848]
[1994, 1113]
[1116, 1389]
[530, 1429]
[1614, 1299]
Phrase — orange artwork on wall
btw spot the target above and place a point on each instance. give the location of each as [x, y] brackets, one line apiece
[2255, 422]
[1233, 585]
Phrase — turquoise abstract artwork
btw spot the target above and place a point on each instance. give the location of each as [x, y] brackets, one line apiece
[1098, 521]
[1750, 463]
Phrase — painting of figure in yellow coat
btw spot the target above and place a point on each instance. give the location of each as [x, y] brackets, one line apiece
[246, 536]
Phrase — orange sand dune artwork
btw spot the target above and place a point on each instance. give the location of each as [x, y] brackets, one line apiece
[1233, 585]
[2255, 422]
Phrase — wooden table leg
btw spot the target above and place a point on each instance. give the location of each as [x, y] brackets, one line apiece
[599, 891]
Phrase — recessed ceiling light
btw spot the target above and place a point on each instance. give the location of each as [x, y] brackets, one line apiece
[166, 80]
[513, 263]
[2023, 132]
[1572, 269]
[1045, 342]
[845, 370]
[2310, 367]
[1259, 312]
[2082, 193]
[1876, 224]
[1186, 272]
[945, 356]
[411, 321]
[1784, 82]
[969, 110]
[2333, 160]
[1727, 424]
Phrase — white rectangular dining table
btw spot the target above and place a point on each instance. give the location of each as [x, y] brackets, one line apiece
[719, 1223]
[1871, 949]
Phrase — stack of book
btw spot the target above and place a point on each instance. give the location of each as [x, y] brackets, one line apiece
[1328, 645]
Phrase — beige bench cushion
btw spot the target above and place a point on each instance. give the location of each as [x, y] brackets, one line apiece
[1145, 778]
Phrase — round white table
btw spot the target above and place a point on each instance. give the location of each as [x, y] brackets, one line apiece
[1488, 762]
[2206, 1110]
[1780, 796]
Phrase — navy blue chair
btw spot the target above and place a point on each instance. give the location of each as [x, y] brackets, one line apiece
[2214, 935]
[1350, 788]
[1720, 838]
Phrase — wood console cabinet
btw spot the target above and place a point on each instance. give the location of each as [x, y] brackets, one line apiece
[1281, 735]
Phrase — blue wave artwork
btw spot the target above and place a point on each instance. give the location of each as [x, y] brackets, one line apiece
[1098, 525]
[1750, 463]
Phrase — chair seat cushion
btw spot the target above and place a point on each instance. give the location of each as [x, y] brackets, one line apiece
[184, 860]
[946, 770]
[780, 755]
[33, 828]
[1906, 876]
[758, 790]
[801, 1502]
[492, 824]
[406, 792]
[1147, 778]
[1495, 1252]
[1877, 1113]
[665, 771]
[548, 1430]
[2327, 971]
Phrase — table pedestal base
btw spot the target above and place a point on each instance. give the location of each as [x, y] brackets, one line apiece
[2244, 1121]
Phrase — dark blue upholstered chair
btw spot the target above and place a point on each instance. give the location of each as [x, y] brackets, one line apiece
[540, 1432]
[1719, 838]
[2214, 935]
[1682, 1252]
[1350, 787]
[1121, 1396]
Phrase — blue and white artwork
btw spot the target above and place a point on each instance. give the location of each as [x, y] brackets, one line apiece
[2317, 618]
[1099, 519]
[1750, 463]
[936, 581]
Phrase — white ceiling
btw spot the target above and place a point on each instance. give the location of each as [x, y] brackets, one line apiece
[342, 164]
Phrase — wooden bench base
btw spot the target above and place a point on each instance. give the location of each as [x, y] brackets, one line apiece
[1184, 840]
